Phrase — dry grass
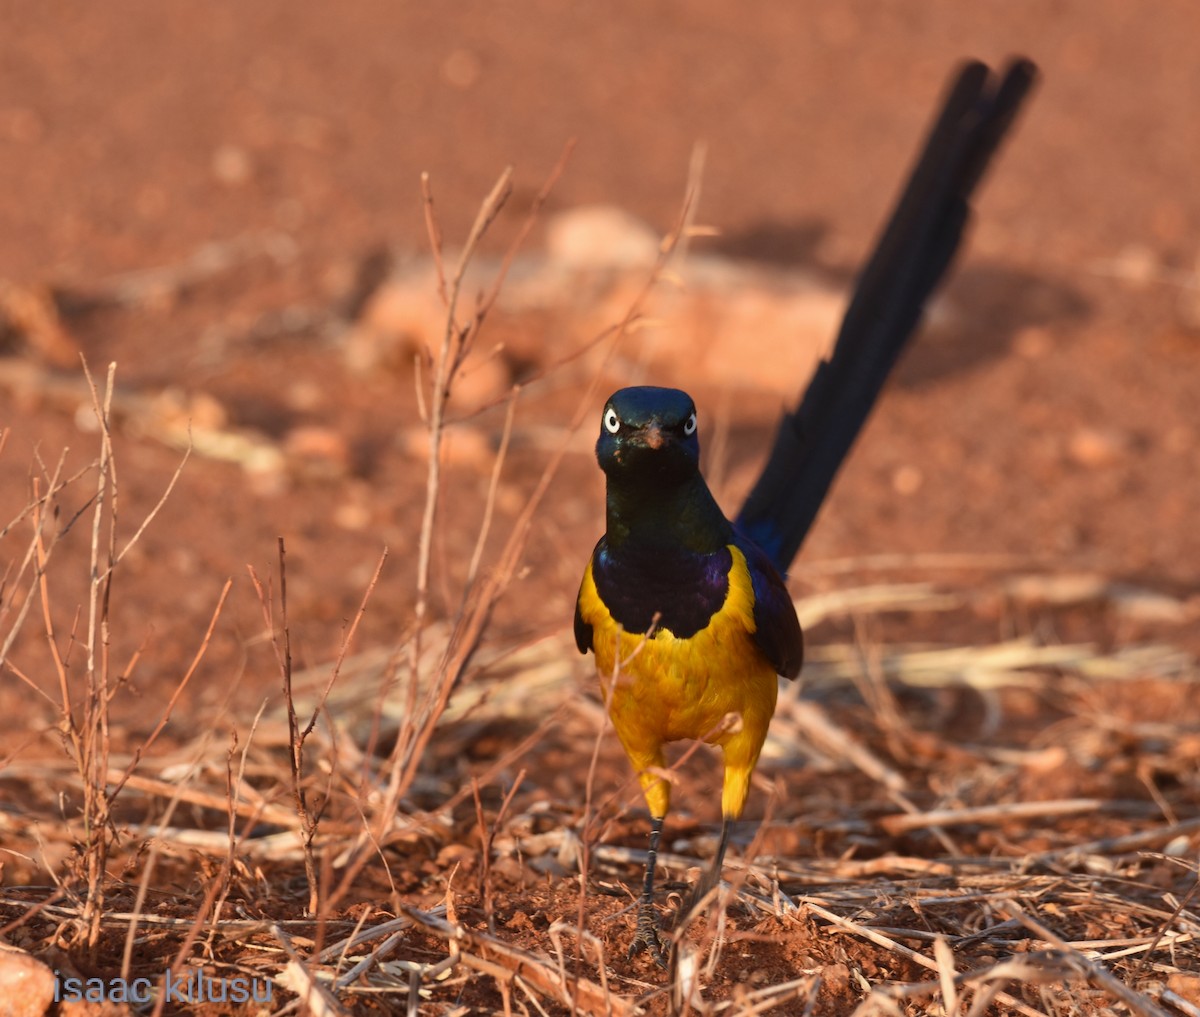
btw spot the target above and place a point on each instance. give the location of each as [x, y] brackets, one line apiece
[1033, 905]
[1001, 827]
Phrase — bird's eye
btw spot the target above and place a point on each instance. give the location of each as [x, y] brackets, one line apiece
[689, 426]
[612, 423]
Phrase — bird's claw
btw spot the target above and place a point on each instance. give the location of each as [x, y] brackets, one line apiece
[648, 938]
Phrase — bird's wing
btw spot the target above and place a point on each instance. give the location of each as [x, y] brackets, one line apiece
[776, 629]
[583, 630]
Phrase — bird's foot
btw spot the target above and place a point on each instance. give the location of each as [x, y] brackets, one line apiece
[647, 937]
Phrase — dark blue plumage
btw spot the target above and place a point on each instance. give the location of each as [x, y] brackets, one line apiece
[777, 629]
[665, 558]
[686, 612]
[680, 591]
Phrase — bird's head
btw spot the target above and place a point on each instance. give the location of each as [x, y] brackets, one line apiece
[649, 434]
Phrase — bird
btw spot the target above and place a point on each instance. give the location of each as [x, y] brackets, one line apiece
[686, 611]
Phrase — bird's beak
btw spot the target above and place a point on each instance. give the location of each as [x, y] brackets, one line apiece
[653, 436]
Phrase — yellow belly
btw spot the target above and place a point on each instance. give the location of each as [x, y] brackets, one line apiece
[716, 685]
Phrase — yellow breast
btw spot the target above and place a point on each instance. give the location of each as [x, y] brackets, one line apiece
[715, 685]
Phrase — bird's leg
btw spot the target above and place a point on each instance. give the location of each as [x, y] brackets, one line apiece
[712, 875]
[647, 936]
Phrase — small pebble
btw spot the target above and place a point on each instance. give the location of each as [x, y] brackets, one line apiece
[1093, 447]
[231, 165]
[26, 984]
[1032, 343]
[462, 68]
[907, 480]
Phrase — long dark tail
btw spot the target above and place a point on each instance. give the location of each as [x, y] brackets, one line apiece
[909, 260]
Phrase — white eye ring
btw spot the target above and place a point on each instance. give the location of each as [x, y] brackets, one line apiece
[612, 423]
[689, 426]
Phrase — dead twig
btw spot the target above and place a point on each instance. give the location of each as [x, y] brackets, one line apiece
[987, 815]
[505, 963]
[1095, 972]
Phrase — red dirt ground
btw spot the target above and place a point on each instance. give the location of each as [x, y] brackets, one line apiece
[1048, 416]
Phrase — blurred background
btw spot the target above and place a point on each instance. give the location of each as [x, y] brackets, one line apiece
[136, 132]
[1000, 597]
[214, 195]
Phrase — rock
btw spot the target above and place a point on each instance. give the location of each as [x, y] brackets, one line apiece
[321, 450]
[483, 380]
[353, 514]
[1137, 264]
[749, 329]
[462, 68]
[403, 319]
[601, 236]
[30, 323]
[1094, 447]
[907, 480]
[752, 328]
[26, 984]
[462, 445]
[231, 165]
[1033, 342]
[1185, 985]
